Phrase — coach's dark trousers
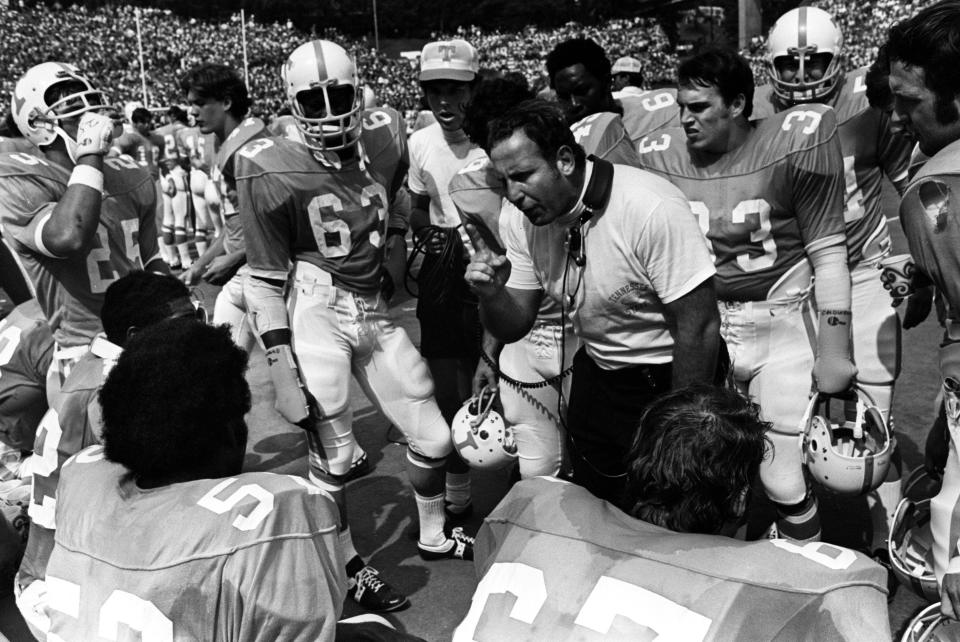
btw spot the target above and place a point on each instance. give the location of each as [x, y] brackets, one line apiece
[602, 417]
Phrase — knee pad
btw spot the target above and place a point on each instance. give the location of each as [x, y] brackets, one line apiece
[782, 474]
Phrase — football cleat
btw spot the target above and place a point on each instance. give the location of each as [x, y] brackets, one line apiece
[325, 67]
[459, 546]
[480, 435]
[372, 593]
[930, 626]
[911, 540]
[797, 35]
[359, 468]
[849, 454]
[49, 93]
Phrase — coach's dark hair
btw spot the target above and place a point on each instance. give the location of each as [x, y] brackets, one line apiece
[492, 99]
[137, 300]
[930, 40]
[695, 453]
[877, 81]
[220, 82]
[724, 69]
[174, 400]
[543, 123]
[582, 51]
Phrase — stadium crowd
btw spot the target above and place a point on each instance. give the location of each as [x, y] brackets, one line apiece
[648, 380]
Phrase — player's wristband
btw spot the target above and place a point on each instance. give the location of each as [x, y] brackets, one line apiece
[88, 176]
[396, 231]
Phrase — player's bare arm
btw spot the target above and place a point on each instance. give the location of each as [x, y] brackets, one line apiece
[72, 225]
[695, 327]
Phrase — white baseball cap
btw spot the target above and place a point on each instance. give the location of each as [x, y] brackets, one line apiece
[449, 60]
[627, 65]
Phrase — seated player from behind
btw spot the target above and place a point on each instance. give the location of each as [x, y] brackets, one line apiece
[578, 568]
[206, 553]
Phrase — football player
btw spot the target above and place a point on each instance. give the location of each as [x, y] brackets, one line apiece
[769, 198]
[77, 219]
[926, 89]
[26, 349]
[176, 188]
[804, 66]
[219, 103]
[191, 144]
[73, 421]
[322, 205]
[449, 325]
[529, 373]
[556, 563]
[227, 541]
[580, 72]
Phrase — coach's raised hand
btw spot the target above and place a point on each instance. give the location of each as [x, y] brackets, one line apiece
[487, 272]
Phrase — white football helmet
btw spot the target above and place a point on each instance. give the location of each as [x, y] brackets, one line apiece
[480, 434]
[321, 64]
[798, 34]
[849, 454]
[911, 540]
[38, 112]
[930, 626]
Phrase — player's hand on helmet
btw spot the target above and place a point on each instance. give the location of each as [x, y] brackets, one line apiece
[918, 307]
[191, 276]
[833, 374]
[484, 376]
[950, 596]
[94, 134]
[487, 272]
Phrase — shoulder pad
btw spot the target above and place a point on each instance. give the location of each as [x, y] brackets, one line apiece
[800, 127]
[270, 155]
[249, 129]
[381, 131]
[35, 164]
[764, 102]
[852, 97]
[122, 174]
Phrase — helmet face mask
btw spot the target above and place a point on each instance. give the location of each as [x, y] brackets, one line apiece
[49, 94]
[846, 448]
[804, 39]
[911, 540]
[324, 94]
[930, 626]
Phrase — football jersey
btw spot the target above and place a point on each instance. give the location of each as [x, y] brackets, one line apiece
[14, 144]
[383, 144]
[603, 135]
[251, 557]
[223, 174]
[556, 563]
[870, 149]
[190, 146]
[72, 423]
[126, 237]
[930, 215]
[765, 205]
[170, 155]
[649, 112]
[286, 126]
[26, 348]
[296, 208]
[144, 150]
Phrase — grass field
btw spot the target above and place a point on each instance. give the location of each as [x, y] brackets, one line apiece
[382, 511]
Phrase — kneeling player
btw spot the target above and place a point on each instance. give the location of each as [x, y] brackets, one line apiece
[577, 567]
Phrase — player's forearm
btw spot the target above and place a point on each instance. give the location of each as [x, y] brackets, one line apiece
[833, 366]
[504, 317]
[213, 251]
[73, 221]
[492, 346]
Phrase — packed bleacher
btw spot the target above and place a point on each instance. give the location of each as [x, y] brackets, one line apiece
[104, 43]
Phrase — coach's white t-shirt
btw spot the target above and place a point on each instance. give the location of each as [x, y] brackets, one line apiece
[644, 250]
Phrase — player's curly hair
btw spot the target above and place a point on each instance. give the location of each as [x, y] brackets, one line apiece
[492, 99]
[138, 299]
[695, 454]
[176, 396]
[724, 69]
[543, 123]
[220, 82]
[582, 51]
[930, 40]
